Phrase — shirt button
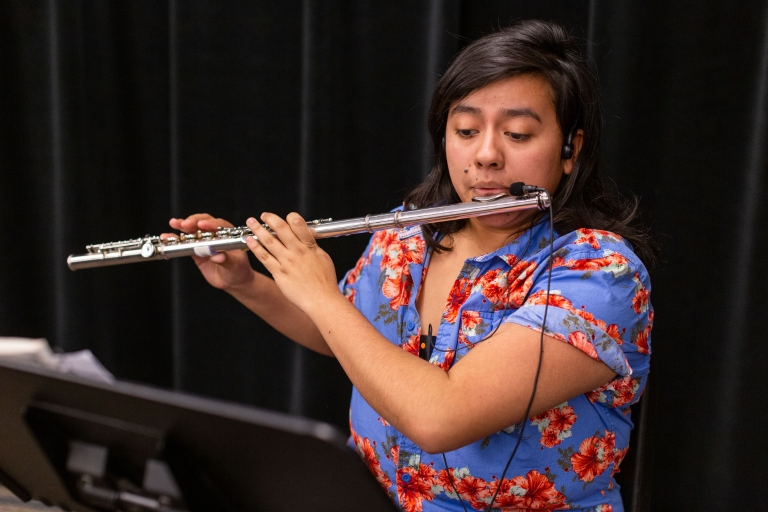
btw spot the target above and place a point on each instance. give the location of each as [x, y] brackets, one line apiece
[410, 326]
[406, 478]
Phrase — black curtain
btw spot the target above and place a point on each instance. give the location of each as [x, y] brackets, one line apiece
[115, 116]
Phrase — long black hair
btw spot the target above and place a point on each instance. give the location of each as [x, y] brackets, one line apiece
[547, 50]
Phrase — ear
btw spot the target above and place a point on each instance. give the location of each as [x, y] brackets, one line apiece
[577, 141]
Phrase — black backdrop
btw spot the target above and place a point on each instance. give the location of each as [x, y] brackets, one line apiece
[115, 116]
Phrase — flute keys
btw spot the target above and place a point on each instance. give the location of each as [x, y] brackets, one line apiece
[148, 249]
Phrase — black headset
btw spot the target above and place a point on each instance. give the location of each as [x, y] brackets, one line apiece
[567, 151]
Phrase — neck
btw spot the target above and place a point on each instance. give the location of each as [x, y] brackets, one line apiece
[485, 235]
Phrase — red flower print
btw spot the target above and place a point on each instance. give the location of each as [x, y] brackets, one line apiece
[612, 262]
[532, 491]
[618, 392]
[579, 340]
[493, 285]
[557, 300]
[398, 289]
[511, 259]
[618, 456]
[555, 424]
[624, 391]
[592, 237]
[613, 331]
[474, 491]
[396, 256]
[444, 480]
[354, 275]
[414, 486]
[587, 236]
[412, 345]
[561, 418]
[382, 240]
[594, 395]
[470, 321]
[549, 438]
[447, 361]
[594, 457]
[520, 281]
[504, 498]
[459, 294]
[368, 453]
[640, 300]
[394, 452]
[641, 340]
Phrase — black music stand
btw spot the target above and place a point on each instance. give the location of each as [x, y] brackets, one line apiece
[84, 446]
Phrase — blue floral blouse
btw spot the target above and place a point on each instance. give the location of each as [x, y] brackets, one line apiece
[599, 303]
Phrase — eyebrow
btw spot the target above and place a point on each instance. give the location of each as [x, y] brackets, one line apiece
[505, 112]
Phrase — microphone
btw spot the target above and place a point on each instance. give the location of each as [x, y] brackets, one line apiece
[519, 188]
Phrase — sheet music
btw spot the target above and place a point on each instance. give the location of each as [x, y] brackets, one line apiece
[38, 352]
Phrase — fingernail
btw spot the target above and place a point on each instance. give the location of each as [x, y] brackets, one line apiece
[250, 220]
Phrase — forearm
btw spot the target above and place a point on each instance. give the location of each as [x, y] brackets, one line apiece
[263, 297]
[421, 409]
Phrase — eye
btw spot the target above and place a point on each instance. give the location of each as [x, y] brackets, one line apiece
[517, 136]
[465, 133]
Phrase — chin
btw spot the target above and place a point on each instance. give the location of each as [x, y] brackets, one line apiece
[502, 221]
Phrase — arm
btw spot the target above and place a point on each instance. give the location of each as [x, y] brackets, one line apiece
[486, 391]
[231, 271]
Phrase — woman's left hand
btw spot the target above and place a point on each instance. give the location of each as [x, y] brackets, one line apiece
[301, 269]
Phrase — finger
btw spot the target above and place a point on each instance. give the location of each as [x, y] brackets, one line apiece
[300, 228]
[282, 230]
[262, 254]
[270, 242]
[192, 223]
[214, 224]
[219, 257]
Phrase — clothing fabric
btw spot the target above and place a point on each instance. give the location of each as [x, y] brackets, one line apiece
[598, 302]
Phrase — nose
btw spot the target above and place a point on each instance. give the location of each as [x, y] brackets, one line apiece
[489, 154]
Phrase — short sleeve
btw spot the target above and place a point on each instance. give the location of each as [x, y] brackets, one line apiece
[599, 302]
[350, 282]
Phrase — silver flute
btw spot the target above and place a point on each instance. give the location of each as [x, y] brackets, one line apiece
[204, 243]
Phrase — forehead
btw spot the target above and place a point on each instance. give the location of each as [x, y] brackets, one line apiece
[528, 92]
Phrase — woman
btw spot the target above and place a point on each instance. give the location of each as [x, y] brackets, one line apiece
[559, 346]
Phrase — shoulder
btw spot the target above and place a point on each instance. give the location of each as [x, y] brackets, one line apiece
[598, 296]
[593, 252]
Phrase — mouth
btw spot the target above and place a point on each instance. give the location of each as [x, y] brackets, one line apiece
[489, 189]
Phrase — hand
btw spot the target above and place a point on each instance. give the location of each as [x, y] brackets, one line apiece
[302, 270]
[227, 270]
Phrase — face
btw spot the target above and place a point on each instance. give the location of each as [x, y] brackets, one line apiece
[503, 133]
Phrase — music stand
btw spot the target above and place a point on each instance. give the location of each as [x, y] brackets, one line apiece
[84, 445]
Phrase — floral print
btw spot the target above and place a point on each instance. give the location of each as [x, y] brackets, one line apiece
[599, 303]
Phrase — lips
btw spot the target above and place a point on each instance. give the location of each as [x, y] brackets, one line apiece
[489, 189]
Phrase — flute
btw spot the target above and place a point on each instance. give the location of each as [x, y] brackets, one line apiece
[151, 248]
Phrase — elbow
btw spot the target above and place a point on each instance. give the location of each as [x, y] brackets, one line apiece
[438, 435]
[442, 434]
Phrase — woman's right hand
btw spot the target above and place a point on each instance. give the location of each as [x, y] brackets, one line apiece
[228, 270]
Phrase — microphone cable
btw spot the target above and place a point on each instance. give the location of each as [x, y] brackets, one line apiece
[518, 189]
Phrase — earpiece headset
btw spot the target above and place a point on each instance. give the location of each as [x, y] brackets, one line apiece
[567, 151]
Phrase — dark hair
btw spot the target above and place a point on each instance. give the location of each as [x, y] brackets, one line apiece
[547, 50]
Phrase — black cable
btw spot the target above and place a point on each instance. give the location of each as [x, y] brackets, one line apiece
[538, 366]
[450, 477]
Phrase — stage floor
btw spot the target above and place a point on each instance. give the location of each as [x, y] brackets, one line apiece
[10, 503]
